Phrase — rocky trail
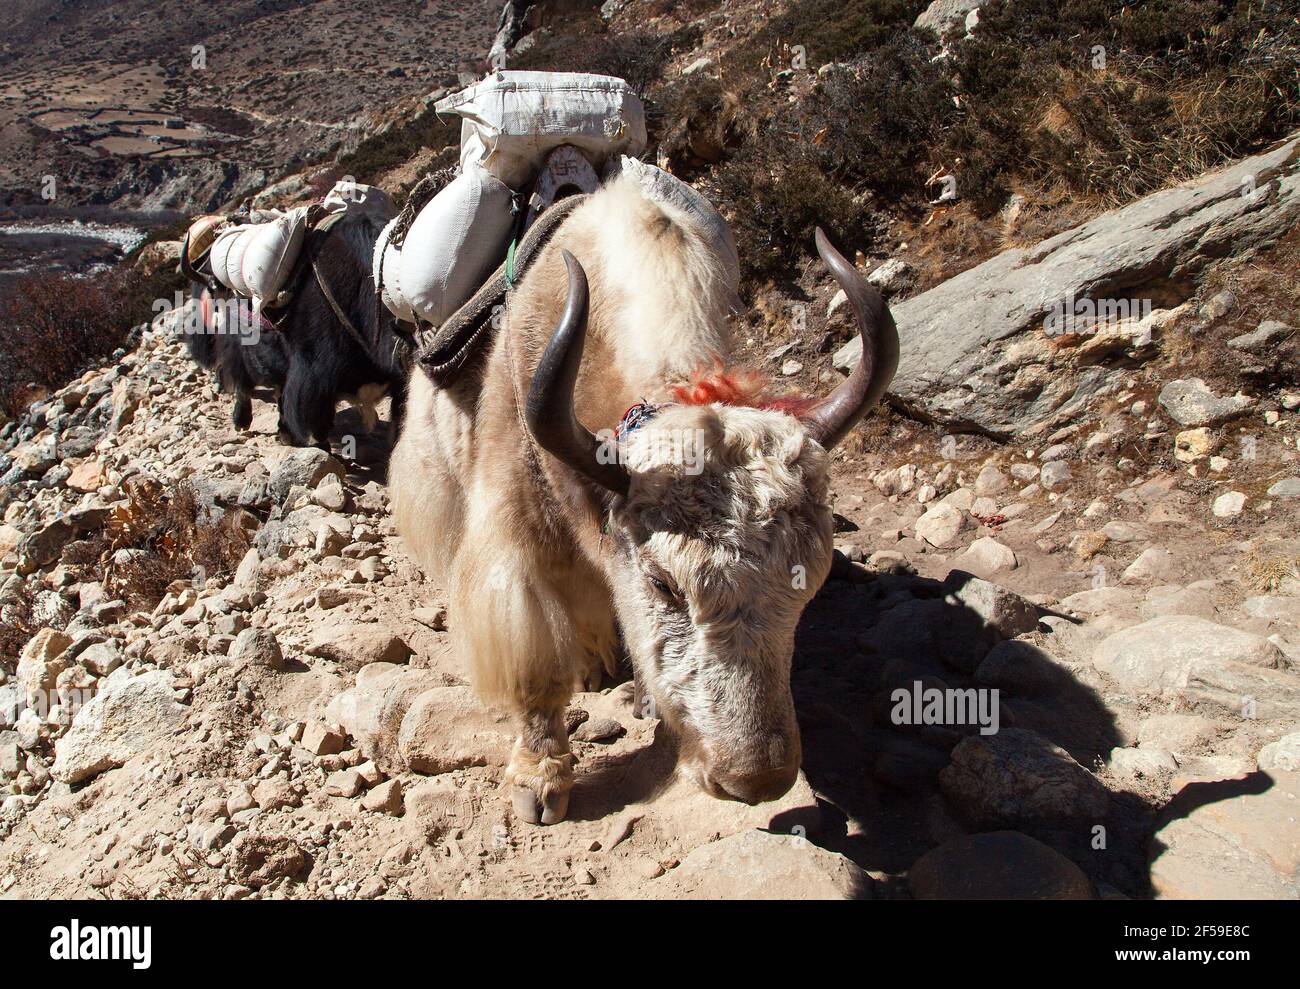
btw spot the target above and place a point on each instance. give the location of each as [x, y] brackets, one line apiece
[1111, 594]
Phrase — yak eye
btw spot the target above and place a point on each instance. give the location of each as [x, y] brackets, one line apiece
[662, 587]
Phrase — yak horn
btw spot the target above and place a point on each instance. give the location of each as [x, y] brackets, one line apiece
[830, 419]
[549, 409]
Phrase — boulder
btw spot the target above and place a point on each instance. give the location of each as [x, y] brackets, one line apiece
[1017, 776]
[372, 712]
[941, 524]
[1156, 656]
[355, 646]
[257, 647]
[756, 865]
[386, 798]
[129, 716]
[978, 353]
[1022, 668]
[101, 658]
[1002, 611]
[1242, 691]
[42, 546]
[1191, 403]
[1287, 488]
[986, 556]
[946, 17]
[1267, 335]
[1177, 733]
[1230, 840]
[1284, 754]
[958, 629]
[39, 666]
[997, 865]
[447, 728]
[87, 476]
[1153, 563]
[302, 467]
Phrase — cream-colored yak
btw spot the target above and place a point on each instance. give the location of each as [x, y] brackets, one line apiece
[700, 534]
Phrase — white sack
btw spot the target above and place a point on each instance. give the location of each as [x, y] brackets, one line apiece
[512, 119]
[228, 256]
[355, 198]
[269, 256]
[386, 269]
[455, 243]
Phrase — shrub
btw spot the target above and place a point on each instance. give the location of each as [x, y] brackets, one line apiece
[176, 540]
[778, 203]
[832, 30]
[376, 155]
[53, 327]
[1182, 86]
[638, 57]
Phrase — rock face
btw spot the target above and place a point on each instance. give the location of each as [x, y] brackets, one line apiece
[128, 716]
[977, 354]
[756, 865]
[1157, 656]
[1000, 865]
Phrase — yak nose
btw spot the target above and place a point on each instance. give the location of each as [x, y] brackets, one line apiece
[753, 787]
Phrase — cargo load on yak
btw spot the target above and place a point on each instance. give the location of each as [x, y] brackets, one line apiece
[524, 136]
[533, 146]
[259, 255]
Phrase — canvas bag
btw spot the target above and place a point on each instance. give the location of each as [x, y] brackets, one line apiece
[270, 253]
[227, 258]
[455, 242]
[512, 119]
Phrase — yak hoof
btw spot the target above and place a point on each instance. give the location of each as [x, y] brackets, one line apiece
[533, 810]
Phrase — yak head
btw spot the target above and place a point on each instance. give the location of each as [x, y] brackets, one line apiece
[720, 525]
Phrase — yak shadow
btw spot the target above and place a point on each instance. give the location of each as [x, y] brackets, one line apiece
[867, 635]
[364, 451]
[1193, 796]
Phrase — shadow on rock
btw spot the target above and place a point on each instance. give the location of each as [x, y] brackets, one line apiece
[925, 719]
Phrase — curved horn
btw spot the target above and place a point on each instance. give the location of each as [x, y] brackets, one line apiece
[831, 418]
[549, 408]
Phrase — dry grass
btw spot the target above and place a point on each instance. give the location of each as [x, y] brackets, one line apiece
[1267, 572]
[179, 543]
[16, 627]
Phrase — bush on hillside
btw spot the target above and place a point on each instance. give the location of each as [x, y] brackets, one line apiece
[168, 537]
[53, 327]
